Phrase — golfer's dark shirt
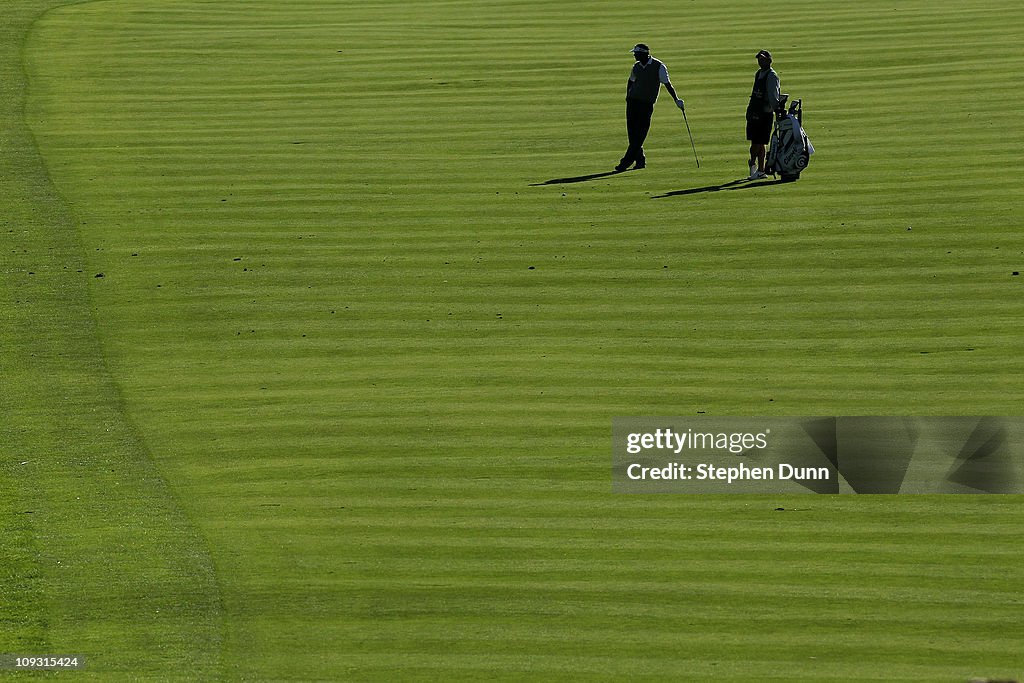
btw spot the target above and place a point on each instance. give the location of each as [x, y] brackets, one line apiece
[646, 81]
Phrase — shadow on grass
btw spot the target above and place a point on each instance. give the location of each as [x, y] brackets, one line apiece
[741, 184]
[576, 179]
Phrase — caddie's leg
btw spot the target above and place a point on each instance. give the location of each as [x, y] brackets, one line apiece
[760, 153]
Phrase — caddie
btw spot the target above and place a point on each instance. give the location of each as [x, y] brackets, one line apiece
[764, 100]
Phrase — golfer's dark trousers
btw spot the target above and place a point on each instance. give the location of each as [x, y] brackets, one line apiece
[638, 123]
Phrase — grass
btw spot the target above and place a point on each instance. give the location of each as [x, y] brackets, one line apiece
[98, 556]
[306, 309]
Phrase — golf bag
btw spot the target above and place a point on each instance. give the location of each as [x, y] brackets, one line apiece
[791, 149]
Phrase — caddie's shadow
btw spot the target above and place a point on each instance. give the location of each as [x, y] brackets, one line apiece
[575, 179]
[741, 184]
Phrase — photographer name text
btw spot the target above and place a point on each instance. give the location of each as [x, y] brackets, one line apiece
[742, 472]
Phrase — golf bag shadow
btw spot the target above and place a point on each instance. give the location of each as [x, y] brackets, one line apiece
[791, 149]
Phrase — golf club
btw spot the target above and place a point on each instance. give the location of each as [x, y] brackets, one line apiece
[691, 139]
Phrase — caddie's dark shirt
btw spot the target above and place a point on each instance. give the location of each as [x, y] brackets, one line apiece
[766, 94]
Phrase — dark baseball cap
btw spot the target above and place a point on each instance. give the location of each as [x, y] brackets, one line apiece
[640, 47]
[765, 54]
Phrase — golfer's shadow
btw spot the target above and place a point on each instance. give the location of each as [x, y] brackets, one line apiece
[575, 179]
[741, 184]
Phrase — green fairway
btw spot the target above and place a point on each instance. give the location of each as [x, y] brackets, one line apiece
[316, 316]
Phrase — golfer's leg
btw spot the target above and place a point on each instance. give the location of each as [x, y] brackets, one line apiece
[631, 133]
[643, 128]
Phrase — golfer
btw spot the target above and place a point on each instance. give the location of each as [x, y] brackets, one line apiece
[645, 81]
[764, 100]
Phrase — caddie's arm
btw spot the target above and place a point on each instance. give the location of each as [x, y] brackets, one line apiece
[773, 90]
